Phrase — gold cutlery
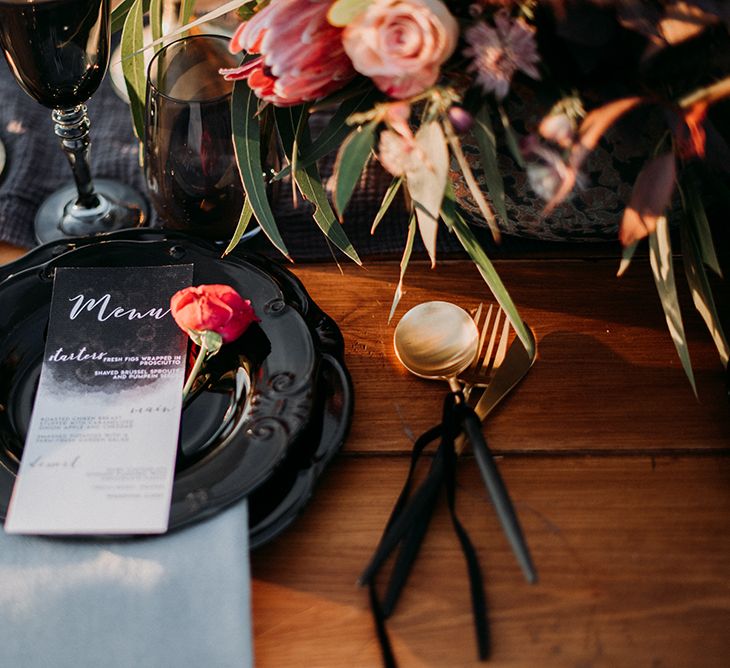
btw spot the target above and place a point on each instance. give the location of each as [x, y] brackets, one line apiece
[441, 340]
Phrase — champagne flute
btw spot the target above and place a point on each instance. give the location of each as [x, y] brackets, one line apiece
[58, 51]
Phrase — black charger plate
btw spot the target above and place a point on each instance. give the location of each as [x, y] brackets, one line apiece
[255, 406]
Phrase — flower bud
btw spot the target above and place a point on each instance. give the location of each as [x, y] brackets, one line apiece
[461, 119]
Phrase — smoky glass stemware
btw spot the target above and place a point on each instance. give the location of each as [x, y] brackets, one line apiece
[190, 162]
[58, 51]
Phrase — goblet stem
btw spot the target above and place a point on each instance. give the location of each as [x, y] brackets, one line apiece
[72, 128]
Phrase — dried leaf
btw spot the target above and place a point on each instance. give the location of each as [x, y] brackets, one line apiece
[470, 180]
[596, 123]
[649, 199]
[426, 181]
[683, 20]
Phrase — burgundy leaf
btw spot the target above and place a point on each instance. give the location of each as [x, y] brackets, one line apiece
[650, 198]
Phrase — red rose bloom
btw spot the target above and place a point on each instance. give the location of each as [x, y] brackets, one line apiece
[216, 308]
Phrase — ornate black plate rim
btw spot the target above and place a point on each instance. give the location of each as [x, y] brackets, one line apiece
[295, 296]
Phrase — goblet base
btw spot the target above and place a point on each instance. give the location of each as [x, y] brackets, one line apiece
[119, 207]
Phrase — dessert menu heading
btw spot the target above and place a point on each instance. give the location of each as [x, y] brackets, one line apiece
[100, 452]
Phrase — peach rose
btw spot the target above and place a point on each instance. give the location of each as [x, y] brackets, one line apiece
[401, 44]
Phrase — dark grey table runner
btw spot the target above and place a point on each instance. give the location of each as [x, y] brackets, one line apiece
[36, 166]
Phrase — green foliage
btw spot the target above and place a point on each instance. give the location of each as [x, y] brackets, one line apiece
[660, 256]
[352, 159]
[247, 144]
[292, 123]
[133, 65]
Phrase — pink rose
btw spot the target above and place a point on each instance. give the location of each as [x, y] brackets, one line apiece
[212, 308]
[401, 44]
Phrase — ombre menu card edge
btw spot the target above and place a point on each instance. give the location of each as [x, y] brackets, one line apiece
[99, 457]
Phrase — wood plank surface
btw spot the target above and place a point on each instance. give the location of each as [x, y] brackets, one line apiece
[607, 378]
[8, 252]
[620, 476]
[633, 555]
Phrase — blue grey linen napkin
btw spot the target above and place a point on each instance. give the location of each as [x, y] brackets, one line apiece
[181, 599]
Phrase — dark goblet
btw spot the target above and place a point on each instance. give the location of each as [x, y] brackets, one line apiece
[190, 163]
[58, 51]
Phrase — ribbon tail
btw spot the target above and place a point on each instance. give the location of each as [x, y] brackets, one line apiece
[386, 649]
[405, 520]
[408, 553]
[476, 581]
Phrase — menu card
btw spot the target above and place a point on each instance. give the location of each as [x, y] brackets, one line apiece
[100, 453]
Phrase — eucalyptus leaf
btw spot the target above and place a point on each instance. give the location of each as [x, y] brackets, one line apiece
[351, 160]
[426, 180]
[292, 124]
[358, 86]
[156, 18]
[456, 223]
[133, 66]
[210, 16]
[388, 198]
[243, 221]
[247, 145]
[513, 143]
[333, 134]
[471, 182]
[404, 265]
[186, 10]
[694, 269]
[702, 231]
[119, 15]
[660, 257]
[487, 142]
[626, 256]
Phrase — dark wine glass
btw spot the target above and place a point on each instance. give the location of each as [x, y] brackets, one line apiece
[190, 163]
[58, 51]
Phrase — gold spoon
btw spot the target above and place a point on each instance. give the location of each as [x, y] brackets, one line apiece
[437, 340]
[440, 340]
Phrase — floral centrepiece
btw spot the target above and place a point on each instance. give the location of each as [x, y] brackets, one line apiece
[427, 87]
[212, 315]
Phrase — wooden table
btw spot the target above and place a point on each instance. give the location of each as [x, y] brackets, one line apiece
[620, 476]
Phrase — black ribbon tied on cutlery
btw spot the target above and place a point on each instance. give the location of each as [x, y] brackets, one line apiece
[409, 522]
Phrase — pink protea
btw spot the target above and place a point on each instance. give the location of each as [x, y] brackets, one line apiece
[302, 57]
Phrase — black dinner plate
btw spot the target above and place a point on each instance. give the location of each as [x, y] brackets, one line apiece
[280, 500]
[257, 400]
